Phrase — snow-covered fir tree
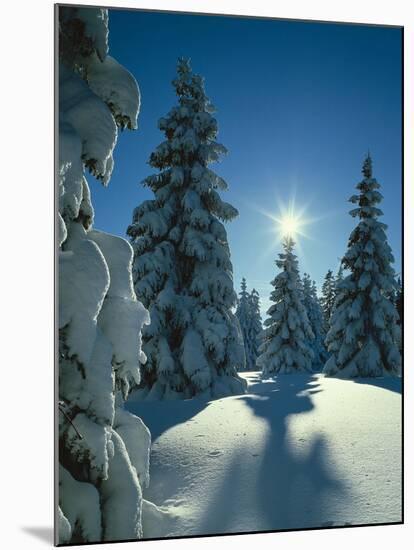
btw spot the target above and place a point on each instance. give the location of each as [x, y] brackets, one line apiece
[255, 329]
[285, 344]
[103, 449]
[328, 298]
[363, 334]
[182, 268]
[315, 316]
[243, 315]
[248, 314]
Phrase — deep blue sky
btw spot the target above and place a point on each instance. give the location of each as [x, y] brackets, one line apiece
[298, 105]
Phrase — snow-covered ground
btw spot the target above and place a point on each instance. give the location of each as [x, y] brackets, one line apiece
[295, 451]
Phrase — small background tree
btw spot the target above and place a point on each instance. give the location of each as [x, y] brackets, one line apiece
[248, 314]
[328, 298]
[255, 329]
[285, 344]
[315, 316]
[243, 315]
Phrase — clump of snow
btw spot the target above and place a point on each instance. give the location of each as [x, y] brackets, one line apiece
[121, 497]
[84, 282]
[92, 450]
[80, 504]
[118, 256]
[121, 304]
[137, 440]
[91, 120]
[86, 211]
[117, 88]
[157, 519]
[70, 171]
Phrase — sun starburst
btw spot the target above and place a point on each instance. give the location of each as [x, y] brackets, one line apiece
[290, 225]
[290, 221]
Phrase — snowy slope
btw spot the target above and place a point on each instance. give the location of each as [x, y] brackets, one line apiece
[297, 451]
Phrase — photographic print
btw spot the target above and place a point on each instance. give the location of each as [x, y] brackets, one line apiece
[229, 274]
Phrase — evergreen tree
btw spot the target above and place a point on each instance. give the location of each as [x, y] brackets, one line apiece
[319, 326]
[182, 268]
[103, 450]
[285, 344]
[243, 308]
[328, 298]
[248, 314]
[243, 316]
[364, 331]
[255, 329]
[315, 316]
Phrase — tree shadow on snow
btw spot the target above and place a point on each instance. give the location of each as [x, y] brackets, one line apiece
[160, 416]
[291, 489]
[387, 383]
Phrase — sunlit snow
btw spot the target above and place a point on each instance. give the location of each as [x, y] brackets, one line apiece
[296, 451]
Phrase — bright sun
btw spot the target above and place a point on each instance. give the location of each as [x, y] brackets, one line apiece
[290, 220]
[289, 225]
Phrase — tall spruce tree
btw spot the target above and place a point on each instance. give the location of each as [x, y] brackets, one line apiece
[328, 298]
[182, 268]
[315, 316]
[285, 344]
[363, 335]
